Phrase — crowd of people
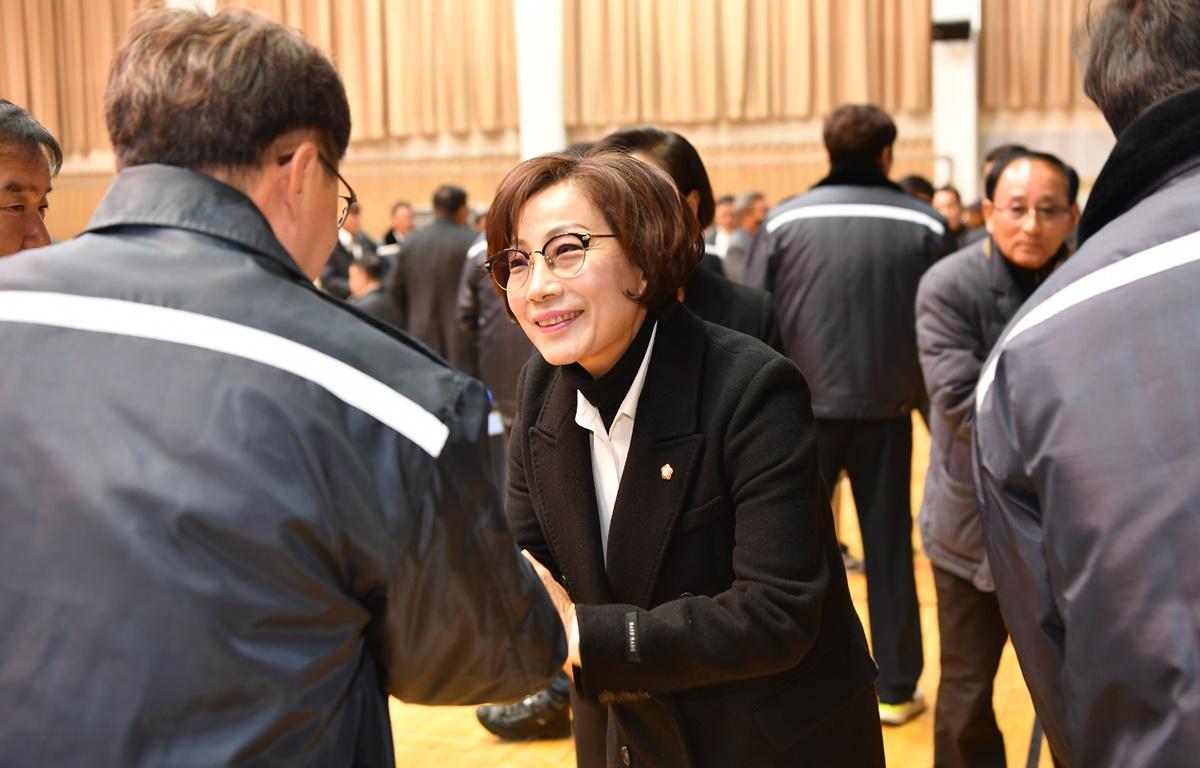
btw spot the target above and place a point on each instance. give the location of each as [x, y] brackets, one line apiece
[250, 474]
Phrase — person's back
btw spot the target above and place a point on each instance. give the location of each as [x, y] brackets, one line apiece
[237, 516]
[1086, 443]
[503, 347]
[424, 284]
[844, 263]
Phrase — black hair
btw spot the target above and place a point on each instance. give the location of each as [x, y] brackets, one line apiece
[996, 153]
[1067, 171]
[916, 185]
[858, 133]
[19, 127]
[951, 188]
[448, 198]
[371, 265]
[675, 155]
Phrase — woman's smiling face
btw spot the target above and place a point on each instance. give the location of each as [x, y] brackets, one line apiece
[588, 318]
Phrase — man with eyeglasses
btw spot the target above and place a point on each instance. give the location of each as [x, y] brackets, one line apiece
[236, 513]
[964, 303]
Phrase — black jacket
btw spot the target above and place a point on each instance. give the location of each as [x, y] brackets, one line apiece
[746, 639]
[733, 305]
[1087, 452]
[843, 262]
[378, 305]
[424, 287]
[234, 513]
[335, 277]
[963, 304]
[503, 346]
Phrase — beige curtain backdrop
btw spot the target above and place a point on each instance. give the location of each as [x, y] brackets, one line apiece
[1028, 59]
[696, 61]
[417, 67]
[54, 57]
[423, 68]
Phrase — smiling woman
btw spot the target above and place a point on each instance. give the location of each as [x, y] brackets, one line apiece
[663, 477]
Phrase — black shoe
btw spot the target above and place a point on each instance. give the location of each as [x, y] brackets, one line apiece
[540, 716]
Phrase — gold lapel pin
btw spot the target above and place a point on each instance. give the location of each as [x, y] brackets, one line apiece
[667, 472]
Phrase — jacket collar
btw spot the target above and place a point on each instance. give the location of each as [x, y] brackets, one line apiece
[167, 196]
[1157, 146]
[857, 174]
[650, 497]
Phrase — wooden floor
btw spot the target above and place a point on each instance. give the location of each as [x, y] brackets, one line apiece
[449, 737]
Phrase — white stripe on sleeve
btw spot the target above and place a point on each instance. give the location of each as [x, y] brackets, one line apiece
[175, 326]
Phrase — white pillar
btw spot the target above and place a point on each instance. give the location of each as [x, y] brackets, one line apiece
[956, 100]
[539, 25]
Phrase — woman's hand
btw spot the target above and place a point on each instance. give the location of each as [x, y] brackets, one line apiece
[564, 606]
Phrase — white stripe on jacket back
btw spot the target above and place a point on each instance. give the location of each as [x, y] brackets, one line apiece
[1169, 255]
[176, 326]
[856, 211]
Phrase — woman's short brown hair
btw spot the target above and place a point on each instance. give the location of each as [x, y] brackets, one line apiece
[639, 203]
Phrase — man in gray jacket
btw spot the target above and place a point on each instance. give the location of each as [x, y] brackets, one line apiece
[843, 262]
[963, 304]
[236, 514]
[1086, 437]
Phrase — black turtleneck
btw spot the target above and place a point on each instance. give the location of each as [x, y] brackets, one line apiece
[857, 172]
[1028, 280]
[607, 392]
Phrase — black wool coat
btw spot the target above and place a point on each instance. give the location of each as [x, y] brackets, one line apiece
[720, 630]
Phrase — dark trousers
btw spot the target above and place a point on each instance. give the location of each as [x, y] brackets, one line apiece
[877, 456]
[973, 636]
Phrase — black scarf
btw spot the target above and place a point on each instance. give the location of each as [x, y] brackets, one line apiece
[857, 173]
[607, 392]
[1159, 144]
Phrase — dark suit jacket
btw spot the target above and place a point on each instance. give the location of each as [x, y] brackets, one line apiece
[503, 346]
[334, 275]
[720, 631]
[424, 287]
[377, 304]
[748, 310]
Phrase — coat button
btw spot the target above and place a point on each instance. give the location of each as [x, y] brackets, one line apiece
[625, 755]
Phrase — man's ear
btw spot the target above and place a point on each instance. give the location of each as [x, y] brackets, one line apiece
[988, 209]
[299, 174]
[885, 160]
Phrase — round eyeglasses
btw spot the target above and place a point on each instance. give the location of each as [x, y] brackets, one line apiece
[564, 254]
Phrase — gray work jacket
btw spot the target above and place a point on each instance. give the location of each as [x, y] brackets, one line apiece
[235, 514]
